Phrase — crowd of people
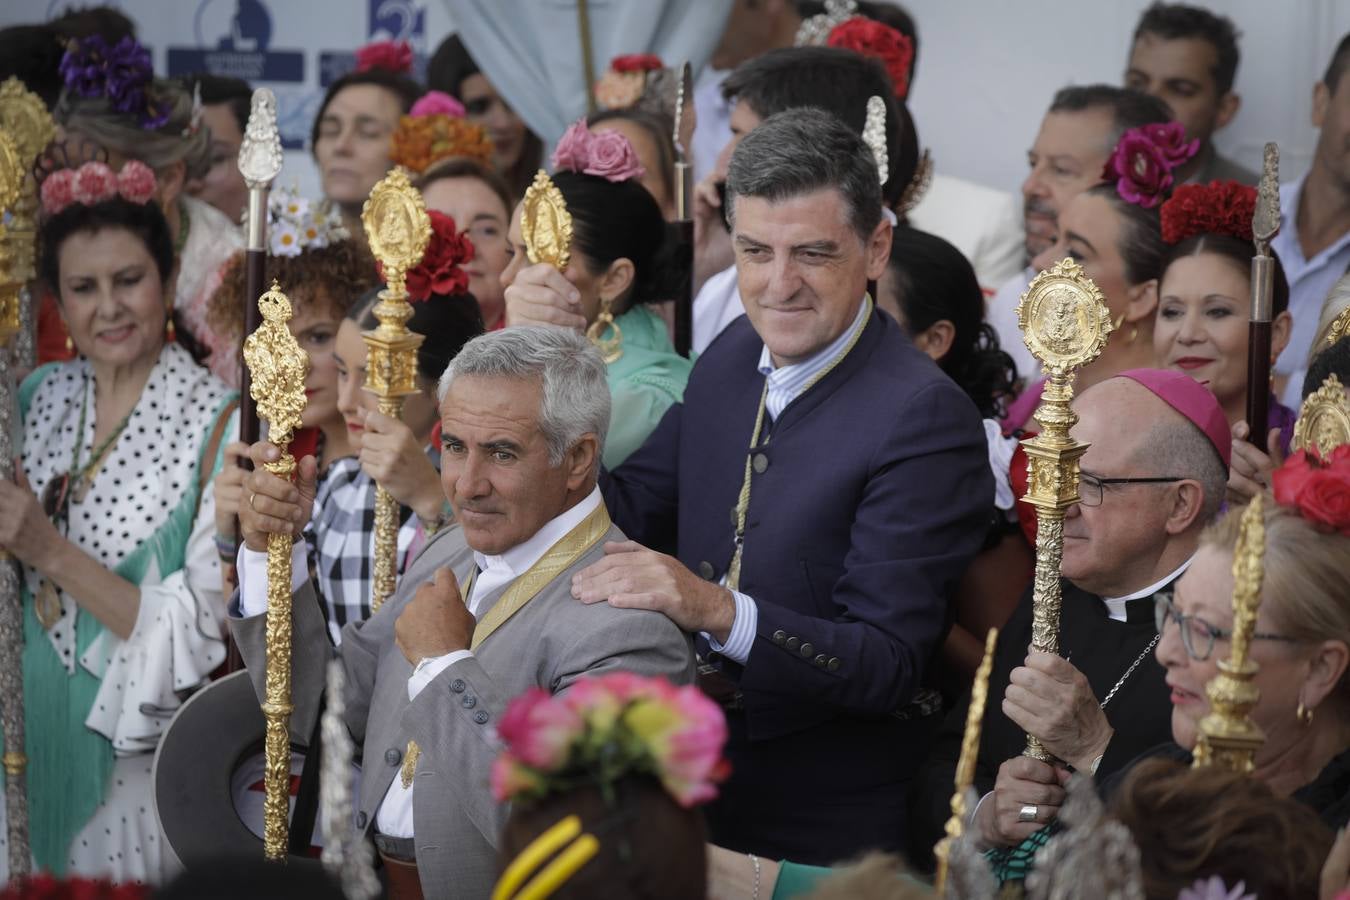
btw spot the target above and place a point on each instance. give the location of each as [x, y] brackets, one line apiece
[684, 623]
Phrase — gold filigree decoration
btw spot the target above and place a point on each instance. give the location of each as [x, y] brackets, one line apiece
[1324, 420]
[545, 223]
[1340, 327]
[24, 118]
[277, 367]
[11, 182]
[398, 229]
[965, 765]
[1065, 323]
[1228, 736]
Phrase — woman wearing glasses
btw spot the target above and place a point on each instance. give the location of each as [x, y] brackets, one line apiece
[1302, 641]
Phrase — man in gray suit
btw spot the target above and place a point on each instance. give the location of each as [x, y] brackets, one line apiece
[523, 417]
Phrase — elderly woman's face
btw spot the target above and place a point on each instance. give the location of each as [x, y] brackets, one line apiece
[1206, 591]
[112, 297]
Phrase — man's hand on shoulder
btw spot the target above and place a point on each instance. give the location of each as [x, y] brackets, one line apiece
[633, 577]
[435, 622]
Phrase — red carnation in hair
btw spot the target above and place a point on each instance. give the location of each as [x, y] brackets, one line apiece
[392, 56]
[636, 62]
[871, 38]
[1220, 207]
[440, 272]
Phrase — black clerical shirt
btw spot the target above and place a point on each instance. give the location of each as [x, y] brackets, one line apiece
[1099, 647]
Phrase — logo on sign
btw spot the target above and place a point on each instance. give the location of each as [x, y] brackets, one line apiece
[234, 39]
[390, 20]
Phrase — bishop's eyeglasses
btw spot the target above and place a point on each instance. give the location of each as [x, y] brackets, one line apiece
[1197, 635]
[1091, 486]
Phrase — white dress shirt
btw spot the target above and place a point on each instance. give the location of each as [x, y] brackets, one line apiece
[1002, 315]
[784, 384]
[716, 305]
[395, 815]
[1310, 280]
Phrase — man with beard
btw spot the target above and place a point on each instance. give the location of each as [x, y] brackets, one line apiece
[1076, 138]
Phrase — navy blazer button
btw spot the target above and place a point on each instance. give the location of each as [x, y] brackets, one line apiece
[706, 570]
[807, 650]
[779, 636]
[792, 643]
[761, 463]
[481, 717]
[833, 664]
[469, 701]
[457, 685]
[819, 660]
[361, 820]
[392, 756]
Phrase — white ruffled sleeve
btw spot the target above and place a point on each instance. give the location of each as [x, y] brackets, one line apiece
[177, 642]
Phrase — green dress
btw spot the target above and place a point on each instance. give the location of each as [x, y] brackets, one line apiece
[644, 382]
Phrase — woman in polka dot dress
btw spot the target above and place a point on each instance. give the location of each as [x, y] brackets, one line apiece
[112, 520]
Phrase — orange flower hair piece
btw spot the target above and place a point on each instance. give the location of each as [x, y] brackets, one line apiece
[422, 141]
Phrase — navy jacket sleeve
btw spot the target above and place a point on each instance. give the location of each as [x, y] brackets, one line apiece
[919, 522]
[643, 494]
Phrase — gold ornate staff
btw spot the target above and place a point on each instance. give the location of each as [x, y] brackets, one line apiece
[1340, 327]
[965, 765]
[11, 600]
[1324, 420]
[260, 159]
[398, 229]
[1228, 736]
[24, 118]
[1065, 323]
[278, 368]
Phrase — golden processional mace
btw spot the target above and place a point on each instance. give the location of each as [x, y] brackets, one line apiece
[260, 159]
[11, 599]
[1323, 422]
[24, 118]
[398, 229]
[965, 765]
[1065, 323]
[278, 368]
[1228, 736]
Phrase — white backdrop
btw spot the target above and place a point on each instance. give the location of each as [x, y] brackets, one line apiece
[987, 68]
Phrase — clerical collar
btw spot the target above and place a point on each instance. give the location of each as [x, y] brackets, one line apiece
[1117, 607]
[524, 555]
[786, 382]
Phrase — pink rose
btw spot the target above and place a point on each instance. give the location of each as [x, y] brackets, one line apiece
[1140, 170]
[539, 729]
[1170, 138]
[573, 149]
[136, 182]
[58, 191]
[684, 731]
[437, 103]
[613, 158]
[94, 182]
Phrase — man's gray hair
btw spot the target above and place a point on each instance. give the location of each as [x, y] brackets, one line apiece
[1176, 446]
[575, 394]
[802, 150]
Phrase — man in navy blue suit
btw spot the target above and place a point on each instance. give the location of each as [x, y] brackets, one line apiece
[822, 487]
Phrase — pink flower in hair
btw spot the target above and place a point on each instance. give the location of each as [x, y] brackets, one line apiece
[94, 182]
[573, 148]
[58, 191]
[1141, 164]
[136, 182]
[613, 157]
[437, 103]
[538, 730]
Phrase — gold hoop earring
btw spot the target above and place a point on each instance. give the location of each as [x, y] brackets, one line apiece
[1304, 714]
[611, 348]
[170, 333]
[1119, 321]
[1134, 334]
[70, 345]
